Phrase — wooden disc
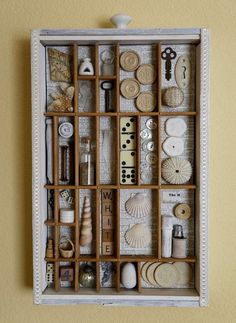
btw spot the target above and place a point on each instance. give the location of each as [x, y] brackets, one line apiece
[130, 88]
[146, 74]
[146, 102]
[185, 272]
[166, 275]
[183, 211]
[150, 273]
[144, 271]
[129, 60]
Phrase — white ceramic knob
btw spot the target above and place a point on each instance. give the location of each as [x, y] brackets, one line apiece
[121, 20]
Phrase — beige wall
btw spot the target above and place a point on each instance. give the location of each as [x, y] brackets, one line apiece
[17, 18]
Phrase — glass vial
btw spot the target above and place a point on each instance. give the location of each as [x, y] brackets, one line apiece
[86, 163]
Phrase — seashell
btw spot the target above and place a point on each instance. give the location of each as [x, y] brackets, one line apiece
[128, 276]
[86, 225]
[138, 236]
[138, 205]
[176, 170]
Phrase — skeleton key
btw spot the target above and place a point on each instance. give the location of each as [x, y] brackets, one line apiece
[168, 54]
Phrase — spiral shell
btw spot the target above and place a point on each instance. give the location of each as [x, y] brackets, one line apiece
[86, 225]
[138, 205]
[176, 170]
[138, 236]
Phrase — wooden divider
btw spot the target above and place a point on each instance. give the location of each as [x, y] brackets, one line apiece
[157, 187]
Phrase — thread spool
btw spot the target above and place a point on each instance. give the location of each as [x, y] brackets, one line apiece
[179, 248]
[67, 215]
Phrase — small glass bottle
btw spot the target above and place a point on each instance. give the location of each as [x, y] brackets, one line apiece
[86, 163]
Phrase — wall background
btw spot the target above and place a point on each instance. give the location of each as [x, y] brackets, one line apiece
[17, 18]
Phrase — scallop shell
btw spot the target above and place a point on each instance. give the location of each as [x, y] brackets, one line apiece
[138, 236]
[138, 205]
[176, 170]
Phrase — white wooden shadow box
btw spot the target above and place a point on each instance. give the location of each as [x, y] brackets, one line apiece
[157, 84]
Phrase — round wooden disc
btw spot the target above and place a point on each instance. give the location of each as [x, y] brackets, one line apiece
[146, 74]
[146, 102]
[129, 61]
[150, 273]
[144, 271]
[130, 88]
[185, 272]
[166, 275]
[183, 211]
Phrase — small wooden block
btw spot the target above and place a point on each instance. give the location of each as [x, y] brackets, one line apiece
[67, 274]
[107, 235]
[107, 222]
[107, 208]
[107, 248]
[107, 195]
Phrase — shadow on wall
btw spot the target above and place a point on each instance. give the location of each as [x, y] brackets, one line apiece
[23, 145]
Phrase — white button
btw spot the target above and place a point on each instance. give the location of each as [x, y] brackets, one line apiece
[146, 177]
[175, 127]
[173, 146]
[146, 134]
[66, 130]
[151, 145]
[151, 124]
[151, 158]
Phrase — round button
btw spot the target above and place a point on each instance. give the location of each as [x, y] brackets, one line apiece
[151, 145]
[146, 134]
[151, 158]
[151, 124]
[173, 146]
[146, 177]
[66, 130]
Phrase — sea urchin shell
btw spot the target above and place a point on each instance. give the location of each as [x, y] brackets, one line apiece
[176, 170]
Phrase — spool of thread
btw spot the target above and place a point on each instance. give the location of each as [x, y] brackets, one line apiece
[166, 236]
[67, 215]
[179, 248]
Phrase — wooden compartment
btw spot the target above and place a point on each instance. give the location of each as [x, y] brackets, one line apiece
[126, 141]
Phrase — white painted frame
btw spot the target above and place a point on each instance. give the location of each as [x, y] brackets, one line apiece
[40, 38]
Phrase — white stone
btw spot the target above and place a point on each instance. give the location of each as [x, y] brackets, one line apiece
[128, 276]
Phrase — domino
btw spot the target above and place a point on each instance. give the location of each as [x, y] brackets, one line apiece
[127, 125]
[128, 167]
[128, 141]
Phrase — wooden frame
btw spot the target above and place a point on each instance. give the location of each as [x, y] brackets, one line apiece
[41, 38]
